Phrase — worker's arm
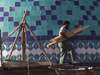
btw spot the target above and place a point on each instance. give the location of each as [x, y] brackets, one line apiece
[64, 35]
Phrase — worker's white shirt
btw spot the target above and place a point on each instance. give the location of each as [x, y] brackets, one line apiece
[62, 30]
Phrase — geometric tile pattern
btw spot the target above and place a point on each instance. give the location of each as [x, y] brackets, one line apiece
[86, 51]
[45, 17]
[49, 15]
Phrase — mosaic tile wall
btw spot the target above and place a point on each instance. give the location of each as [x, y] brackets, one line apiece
[45, 17]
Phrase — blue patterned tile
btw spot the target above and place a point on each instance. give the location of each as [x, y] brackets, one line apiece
[69, 12]
[48, 12]
[36, 57]
[5, 34]
[82, 57]
[38, 37]
[43, 17]
[76, 26]
[36, 3]
[17, 4]
[82, 7]
[50, 32]
[12, 8]
[85, 17]
[23, 0]
[19, 57]
[42, 7]
[43, 58]
[76, 2]
[28, 33]
[94, 17]
[53, 7]
[1, 9]
[60, 22]
[53, 17]
[95, 3]
[81, 22]
[88, 12]
[16, 23]
[93, 32]
[43, 38]
[33, 28]
[30, 0]
[99, 22]
[10, 18]
[38, 22]
[36, 46]
[92, 8]
[1, 19]
[6, 13]
[58, 2]
[13, 57]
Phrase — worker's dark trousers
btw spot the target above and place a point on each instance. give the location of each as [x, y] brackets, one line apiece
[64, 48]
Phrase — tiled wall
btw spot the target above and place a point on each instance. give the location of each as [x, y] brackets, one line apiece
[45, 17]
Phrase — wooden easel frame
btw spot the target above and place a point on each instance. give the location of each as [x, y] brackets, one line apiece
[22, 27]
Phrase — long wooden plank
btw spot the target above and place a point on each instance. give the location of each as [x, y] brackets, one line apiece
[35, 64]
[31, 62]
[69, 34]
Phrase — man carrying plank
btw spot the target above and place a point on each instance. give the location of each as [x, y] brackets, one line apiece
[64, 47]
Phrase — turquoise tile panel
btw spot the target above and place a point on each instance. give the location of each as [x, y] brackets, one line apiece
[12, 4]
[42, 2]
[1, 24]
[1, 14]
[11, 14]
[17, 14]
[17, 9]
[44, 23]
[23, 4]
[47, 7]
[6, 9]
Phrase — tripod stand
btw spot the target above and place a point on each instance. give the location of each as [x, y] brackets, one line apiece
[22, 27]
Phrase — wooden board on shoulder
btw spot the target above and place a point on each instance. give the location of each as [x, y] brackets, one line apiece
[69, 34]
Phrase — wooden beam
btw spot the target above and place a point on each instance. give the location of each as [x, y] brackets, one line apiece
[23, 37]
[15, 42]
[23, 42]
[30, 62]
[1, 48]
[24, 16]
[35, 64]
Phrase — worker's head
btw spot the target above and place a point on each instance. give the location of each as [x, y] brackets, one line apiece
[66, 24]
